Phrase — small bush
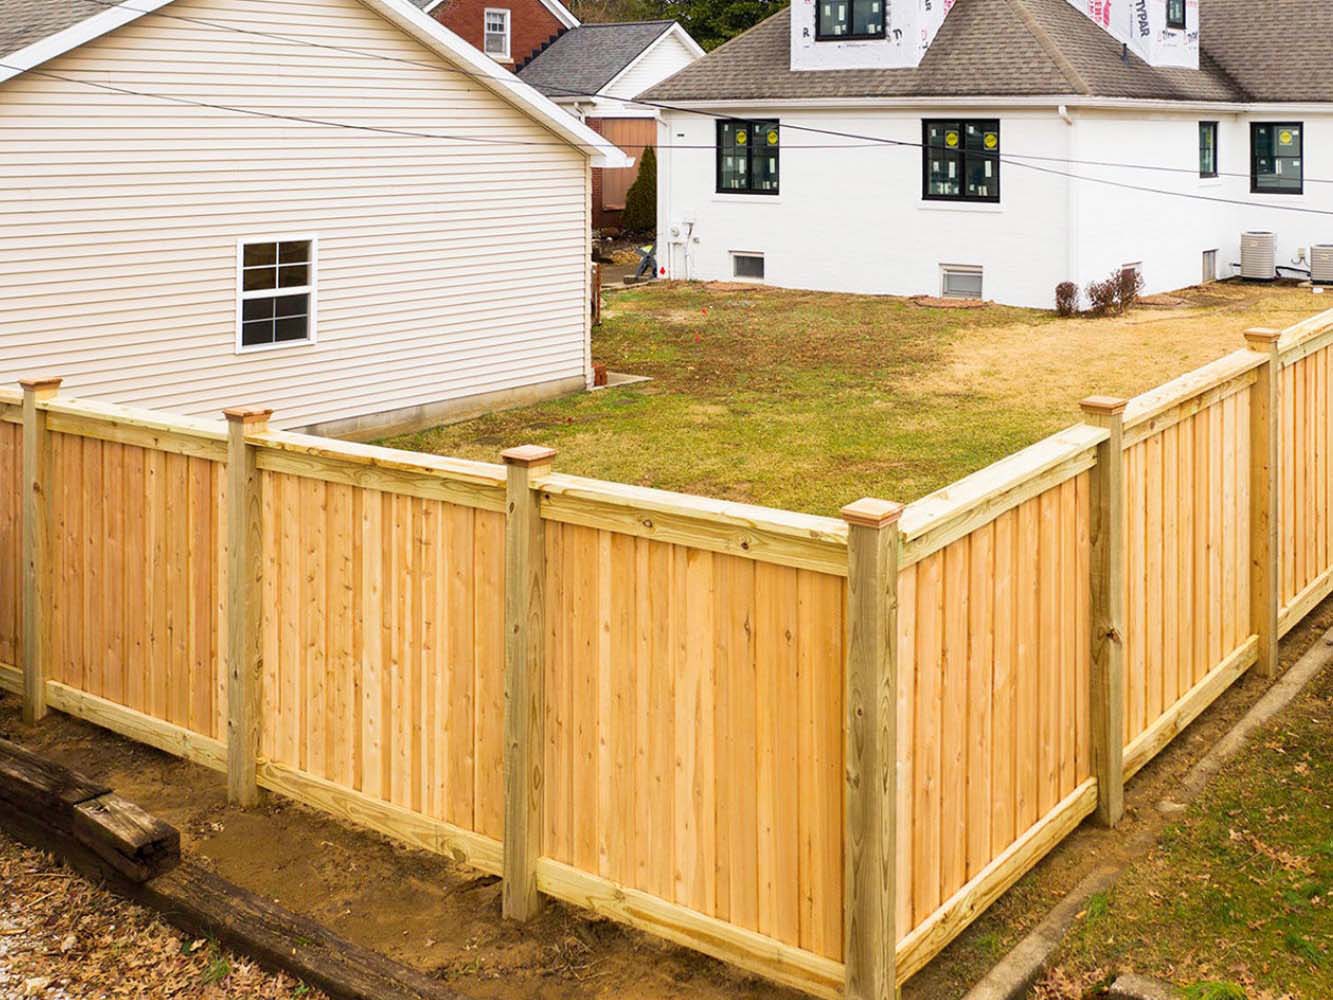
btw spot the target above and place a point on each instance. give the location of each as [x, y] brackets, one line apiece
[1115, 293]
[1066, 298]
[1131, 287]
[641, 198]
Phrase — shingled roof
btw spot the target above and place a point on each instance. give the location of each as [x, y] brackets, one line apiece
[27, 21]
[585, 59]
[1003, 48]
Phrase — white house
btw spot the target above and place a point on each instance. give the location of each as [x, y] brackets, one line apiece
[336, 209]
[998, 147]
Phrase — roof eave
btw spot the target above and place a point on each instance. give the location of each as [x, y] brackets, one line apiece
[46, 49]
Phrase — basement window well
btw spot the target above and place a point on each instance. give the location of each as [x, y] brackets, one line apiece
[960, 282]
[749, 266]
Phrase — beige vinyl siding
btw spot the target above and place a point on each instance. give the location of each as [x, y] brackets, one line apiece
[446, 268]
[664, 57]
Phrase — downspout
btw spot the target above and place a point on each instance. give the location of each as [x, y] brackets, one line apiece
[1071, 197]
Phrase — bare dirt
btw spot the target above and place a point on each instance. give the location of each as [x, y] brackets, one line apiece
[444, 919]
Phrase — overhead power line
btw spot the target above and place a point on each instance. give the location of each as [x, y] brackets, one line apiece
[854, 140]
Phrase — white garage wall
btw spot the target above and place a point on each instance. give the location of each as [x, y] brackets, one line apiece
[446, 269]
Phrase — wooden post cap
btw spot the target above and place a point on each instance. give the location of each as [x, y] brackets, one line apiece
[527, 454]
[1261, 338]
[47, 383]
[1105, 405]
[247, 414]
[869, 512]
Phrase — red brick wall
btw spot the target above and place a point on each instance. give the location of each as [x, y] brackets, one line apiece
[530, 24]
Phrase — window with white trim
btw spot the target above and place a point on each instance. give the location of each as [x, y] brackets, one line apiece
[276, 281]
[747, 265]
[960, 281]
[496, 42]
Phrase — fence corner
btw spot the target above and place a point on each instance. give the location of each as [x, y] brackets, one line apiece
[525, 705]
[871, 752]
[245, 645]
[1107, 619]
[36, 544]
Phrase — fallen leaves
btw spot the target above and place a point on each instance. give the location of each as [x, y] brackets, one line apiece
[62, 938]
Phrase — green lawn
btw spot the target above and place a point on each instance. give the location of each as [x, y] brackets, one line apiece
[809, 400]
[1234, 901]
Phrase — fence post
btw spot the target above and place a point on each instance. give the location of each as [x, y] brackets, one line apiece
[871, 734]
[1265, 599]
[525, 705]
[36, 542]
[245, 645]
[1107, 565]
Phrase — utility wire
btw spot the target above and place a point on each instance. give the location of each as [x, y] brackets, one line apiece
[1016, 160]
[861, 140]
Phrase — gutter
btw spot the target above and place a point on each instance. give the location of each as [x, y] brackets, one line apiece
[1037, 103]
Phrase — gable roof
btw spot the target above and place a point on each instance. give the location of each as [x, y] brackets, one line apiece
[585, 59]
[984, 48]
[41, 37]
[558, 10]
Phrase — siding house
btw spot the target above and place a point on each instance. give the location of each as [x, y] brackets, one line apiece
[995, 148]
[338, 209]
[593, 71]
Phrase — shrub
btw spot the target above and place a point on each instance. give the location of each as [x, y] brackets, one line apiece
[1131, 287]
[1116, 293]
[1066, 298]
[641, 198]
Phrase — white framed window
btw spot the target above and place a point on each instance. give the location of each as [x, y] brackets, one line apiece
[747, 266]
[1209, 266]
[275, 292]
[496, 42]
[960, 281]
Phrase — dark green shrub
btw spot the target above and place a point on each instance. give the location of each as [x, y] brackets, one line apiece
[641, 198]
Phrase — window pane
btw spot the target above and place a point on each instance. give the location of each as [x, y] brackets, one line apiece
[260, 254]
[833, 17]
[293, 276]
[256, 309]
[291, 305]
[1175, 13]
[868, 17]
[294, 253]
[765, 165]
[1207, 149]
[980, 177]
[260, 278]
[257, 333]
[292, 328]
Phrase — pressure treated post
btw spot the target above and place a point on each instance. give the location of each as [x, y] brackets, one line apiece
[1265, 600]
[871, 733]
[36, 542]
[525, 580]
[1107, 565]
[245, 646]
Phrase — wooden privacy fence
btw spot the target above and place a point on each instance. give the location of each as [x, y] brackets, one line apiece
[817, 748]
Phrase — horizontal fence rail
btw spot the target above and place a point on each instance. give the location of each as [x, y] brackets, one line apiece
[817, 748]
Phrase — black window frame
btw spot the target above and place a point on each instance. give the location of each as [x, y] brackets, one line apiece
[820, 36]
[1211, 128]
[754, 125]
[1176, 24]
[1255, 127]
[963, 154]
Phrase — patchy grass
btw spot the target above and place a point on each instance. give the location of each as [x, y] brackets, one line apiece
[1234, 901]
[809, 400]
